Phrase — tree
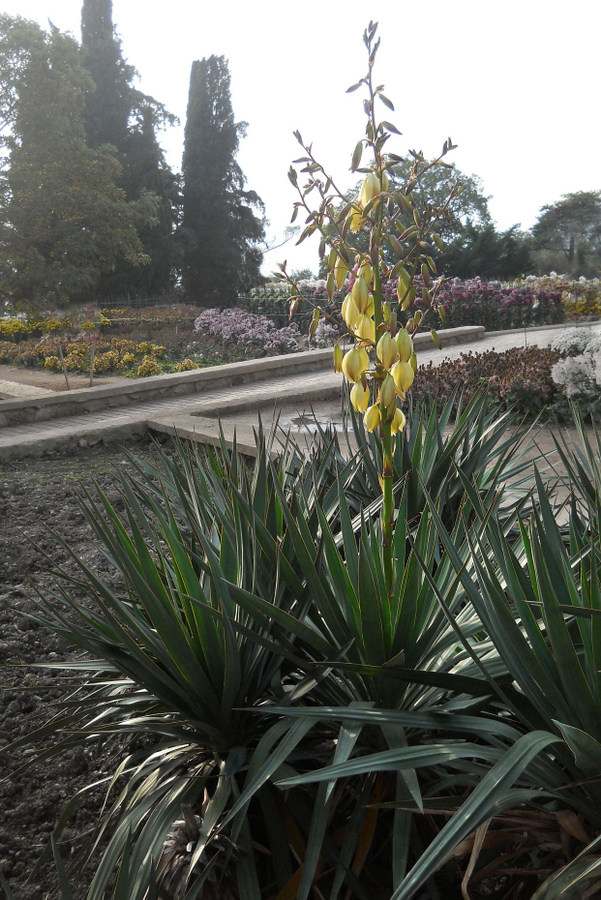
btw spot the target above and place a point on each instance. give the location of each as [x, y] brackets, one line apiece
[64, 221]
[468, 207]
[567, 235]
[118, 114]
[109, 98]
[462, 210]
[481, 250]
[220, 235]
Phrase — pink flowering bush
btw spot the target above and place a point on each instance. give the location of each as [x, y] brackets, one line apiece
[241, 333]
[497, 307]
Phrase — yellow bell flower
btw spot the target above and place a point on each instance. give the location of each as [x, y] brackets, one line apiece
[404, 344]
[366, 272]
[340, 273]
[349, 312]
[356, 220]
[387, 350]
[365, 328]
[398, 422]
[370, 188]
[372, 418]
[354, 363]
[359, 396]
[360, 294]
[388, 392]
[403, 375]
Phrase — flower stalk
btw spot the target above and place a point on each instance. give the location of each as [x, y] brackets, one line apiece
[379, 233]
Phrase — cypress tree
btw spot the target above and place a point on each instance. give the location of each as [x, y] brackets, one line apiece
[109, 101]
[220, 233]
[118, 114]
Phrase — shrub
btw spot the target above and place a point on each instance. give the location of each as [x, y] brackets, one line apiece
[517, 376]
[148, 366]
[581, 297]
[186, 365]
[477, 302]
[238, 331]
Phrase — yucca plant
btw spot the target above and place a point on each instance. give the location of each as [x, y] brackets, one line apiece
[533, 675]
[246, 587]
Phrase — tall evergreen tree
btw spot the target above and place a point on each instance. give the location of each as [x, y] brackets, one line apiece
[109, 100]
[118, 114]
[221, 235]
[63, 220]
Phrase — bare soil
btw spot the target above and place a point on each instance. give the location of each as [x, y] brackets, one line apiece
[52, 381]
[37, 495]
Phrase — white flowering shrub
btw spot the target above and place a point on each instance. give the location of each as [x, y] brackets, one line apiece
[577, 375]
[572, 341]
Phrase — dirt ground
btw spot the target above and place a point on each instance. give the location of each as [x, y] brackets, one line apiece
[37, 495]
[52, 381]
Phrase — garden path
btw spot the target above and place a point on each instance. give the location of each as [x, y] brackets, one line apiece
[195, 415]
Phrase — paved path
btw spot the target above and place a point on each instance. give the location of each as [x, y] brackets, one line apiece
[198, 413]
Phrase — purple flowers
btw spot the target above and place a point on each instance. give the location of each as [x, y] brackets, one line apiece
[477, 302]
[246, 332]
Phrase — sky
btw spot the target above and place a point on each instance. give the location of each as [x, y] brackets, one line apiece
[515, 84]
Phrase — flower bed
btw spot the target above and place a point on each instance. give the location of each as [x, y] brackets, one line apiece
[518, 377]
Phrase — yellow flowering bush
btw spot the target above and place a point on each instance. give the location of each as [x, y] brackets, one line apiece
[186, 365]
[126, 361]
[148, 366]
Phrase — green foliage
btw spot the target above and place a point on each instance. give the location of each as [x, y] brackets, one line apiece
[220, 234]
[469, 206]
[119, 115]
[567, 235]
[249, 596]
[109, 98]
[64, 220]
[481, 250]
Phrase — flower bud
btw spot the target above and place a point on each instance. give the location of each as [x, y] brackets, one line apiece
[360, 294]
[365, 328]
[385, 180]
[354, 363]
[370, 309]
[337, 358]
[372, 418]
[340, 273]
[398, 422]
[366, 272]
[403, 375]
[388, 392]
[404, 344]
[349, 312]
[370, 188]
[387, 350]
[356, 221]
[359, 396]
